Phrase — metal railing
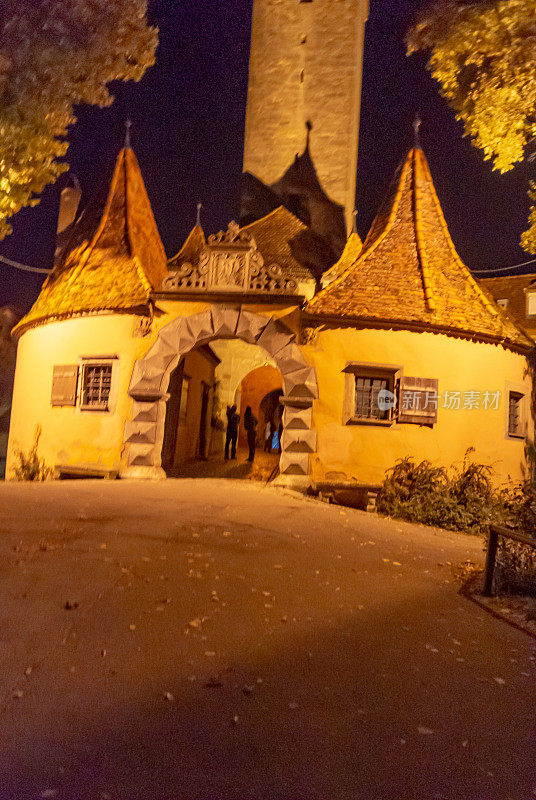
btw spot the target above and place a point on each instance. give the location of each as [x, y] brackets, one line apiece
[493, 542]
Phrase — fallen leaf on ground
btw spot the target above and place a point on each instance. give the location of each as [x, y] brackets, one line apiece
[424, 731]
[210, 653]
[18, 693]
[132, 627]
[293, 705]
[195, 623]
[169, 696]
[500, 681]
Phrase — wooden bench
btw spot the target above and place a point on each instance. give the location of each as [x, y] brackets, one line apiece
[63, 471]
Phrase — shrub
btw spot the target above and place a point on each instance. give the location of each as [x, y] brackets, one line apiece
[457, 499]
[515, 570]
[31, 467]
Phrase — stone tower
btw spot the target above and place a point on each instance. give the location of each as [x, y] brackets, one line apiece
[305, 67]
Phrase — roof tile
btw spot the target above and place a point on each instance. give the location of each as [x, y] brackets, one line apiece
[409, 272]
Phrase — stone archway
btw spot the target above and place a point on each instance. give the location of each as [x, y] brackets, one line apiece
[144, 432]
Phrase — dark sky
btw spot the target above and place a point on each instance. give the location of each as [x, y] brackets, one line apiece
[188, 120]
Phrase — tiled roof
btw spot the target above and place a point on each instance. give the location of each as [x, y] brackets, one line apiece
[512, 288]
[409, 273]
[351, 252]
[113, 258]
[274, 236]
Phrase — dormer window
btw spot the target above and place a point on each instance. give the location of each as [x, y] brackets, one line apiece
[531, 304]
[503, 303]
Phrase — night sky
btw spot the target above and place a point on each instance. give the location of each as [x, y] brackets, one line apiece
[188, 117]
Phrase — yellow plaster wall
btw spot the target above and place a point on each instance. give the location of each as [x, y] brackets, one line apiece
[71, 435]
[364, 452]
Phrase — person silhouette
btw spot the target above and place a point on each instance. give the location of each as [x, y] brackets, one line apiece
[232, 431]
[250, 424]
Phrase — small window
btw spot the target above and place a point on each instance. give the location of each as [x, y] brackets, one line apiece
[96, 386]
[369, 396]
[531, 304]
[503, 303]
[516, 424]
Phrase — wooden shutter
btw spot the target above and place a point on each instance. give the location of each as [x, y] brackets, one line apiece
[64, 384]
[348, 404]
[418, 400]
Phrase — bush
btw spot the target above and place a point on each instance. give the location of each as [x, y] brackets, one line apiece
[515, 568]
[464, 499]
[457, 499]
[31, 467]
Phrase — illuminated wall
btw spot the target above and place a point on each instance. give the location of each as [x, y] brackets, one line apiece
[364, 451]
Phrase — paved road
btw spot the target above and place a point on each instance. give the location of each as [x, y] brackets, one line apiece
[234, 642]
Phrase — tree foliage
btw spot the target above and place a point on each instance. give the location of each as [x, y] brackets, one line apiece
[54, 55]
[483, 54]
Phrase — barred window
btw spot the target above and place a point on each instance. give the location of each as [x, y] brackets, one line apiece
[515, 417]
[367, 391]
[96, 385]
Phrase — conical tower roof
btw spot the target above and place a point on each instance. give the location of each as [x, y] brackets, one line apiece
[113, 258]
[351, 252]
[409, 274]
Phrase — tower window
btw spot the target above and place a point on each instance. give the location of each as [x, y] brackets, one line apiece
[96, 383]
[515, 414]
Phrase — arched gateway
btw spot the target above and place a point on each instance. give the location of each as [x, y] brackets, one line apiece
[144, 432]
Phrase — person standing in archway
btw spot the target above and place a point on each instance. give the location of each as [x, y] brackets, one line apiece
[232, 431]
[250, 424]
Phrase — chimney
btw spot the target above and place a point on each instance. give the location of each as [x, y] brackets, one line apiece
[69, 200]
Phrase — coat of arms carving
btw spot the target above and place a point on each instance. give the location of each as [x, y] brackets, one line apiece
[230, 262]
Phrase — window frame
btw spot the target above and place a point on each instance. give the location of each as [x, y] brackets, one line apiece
[86, 362]
[368, 370]
[522, 394]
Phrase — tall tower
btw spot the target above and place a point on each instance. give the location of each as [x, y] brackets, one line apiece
[306, 66]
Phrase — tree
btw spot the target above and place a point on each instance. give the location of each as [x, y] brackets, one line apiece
[483, 54]
[54, 55]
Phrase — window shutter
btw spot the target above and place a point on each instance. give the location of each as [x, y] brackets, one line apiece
[64, 384]
[418, 400]
[348, 405]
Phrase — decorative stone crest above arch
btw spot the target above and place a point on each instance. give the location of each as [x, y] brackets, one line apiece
[144, 432]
